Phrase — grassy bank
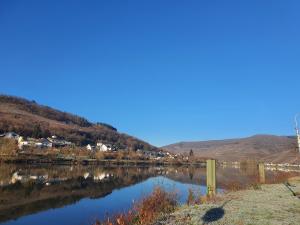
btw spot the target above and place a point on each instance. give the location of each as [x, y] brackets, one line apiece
[267, 204]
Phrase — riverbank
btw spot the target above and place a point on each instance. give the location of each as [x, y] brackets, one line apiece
[267, 204]
[77, 160]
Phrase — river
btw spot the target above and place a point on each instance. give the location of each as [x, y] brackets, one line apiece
[48, 195]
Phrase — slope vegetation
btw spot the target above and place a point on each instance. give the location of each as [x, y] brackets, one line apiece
[30, 119]
[267, 148]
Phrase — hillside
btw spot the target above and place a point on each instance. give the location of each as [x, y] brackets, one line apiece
[31, 119]
[266, 148]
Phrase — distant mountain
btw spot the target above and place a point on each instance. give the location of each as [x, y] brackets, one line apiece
[31, 119]
[268, 148]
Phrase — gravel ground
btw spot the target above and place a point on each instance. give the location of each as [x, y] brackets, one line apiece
[272, 204]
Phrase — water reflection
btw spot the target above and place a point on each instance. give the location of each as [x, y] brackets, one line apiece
[26, 190]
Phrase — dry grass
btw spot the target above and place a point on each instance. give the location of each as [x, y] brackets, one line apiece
[8, 146]
[147, 210]
[196, 198]
[272, 204]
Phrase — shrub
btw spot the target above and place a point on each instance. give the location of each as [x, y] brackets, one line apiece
[191, 198]
[157, 203]
[147, 210]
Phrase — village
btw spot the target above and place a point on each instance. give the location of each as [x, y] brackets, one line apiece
[55, 142]
[49, 142]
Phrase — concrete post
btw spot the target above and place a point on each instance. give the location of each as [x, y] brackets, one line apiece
[211, 176]
[261, 172]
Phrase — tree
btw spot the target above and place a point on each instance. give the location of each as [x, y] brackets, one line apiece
[191, 153]
[37, 131]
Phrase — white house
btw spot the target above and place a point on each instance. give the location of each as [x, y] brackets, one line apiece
[12, 135]
[90, 147]
[43, 142]
[102, 147]
[22, 142]
[20, 139]
[86, 175]
[16, 177]
[59, 142]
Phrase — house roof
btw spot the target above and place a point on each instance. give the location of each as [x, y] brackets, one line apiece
[44, 140]
[11, 134]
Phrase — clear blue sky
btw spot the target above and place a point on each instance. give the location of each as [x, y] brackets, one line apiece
[164, 71]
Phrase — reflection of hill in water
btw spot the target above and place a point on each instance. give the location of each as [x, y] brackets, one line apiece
[227, 177]
[23, 198]
[198, 176]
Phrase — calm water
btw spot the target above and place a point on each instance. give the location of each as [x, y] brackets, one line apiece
[78, 195]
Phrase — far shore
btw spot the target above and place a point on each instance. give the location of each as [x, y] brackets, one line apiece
[53, 159]
[69, 160]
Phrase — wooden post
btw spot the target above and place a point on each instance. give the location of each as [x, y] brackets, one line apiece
[298, 138]
[297, 132]
[211, 176]
[261, 172]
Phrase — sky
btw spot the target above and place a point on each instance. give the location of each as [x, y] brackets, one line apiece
[163, 71]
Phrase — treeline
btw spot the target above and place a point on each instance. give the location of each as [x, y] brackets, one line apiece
[45, 111]
[31, 129]
[106, 125]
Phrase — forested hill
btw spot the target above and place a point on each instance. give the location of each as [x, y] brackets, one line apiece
[31, 119]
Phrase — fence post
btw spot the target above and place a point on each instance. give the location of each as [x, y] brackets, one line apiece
[261, 172]
[211, 176]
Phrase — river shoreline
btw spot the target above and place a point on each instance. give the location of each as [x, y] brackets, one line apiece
[42, 159]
